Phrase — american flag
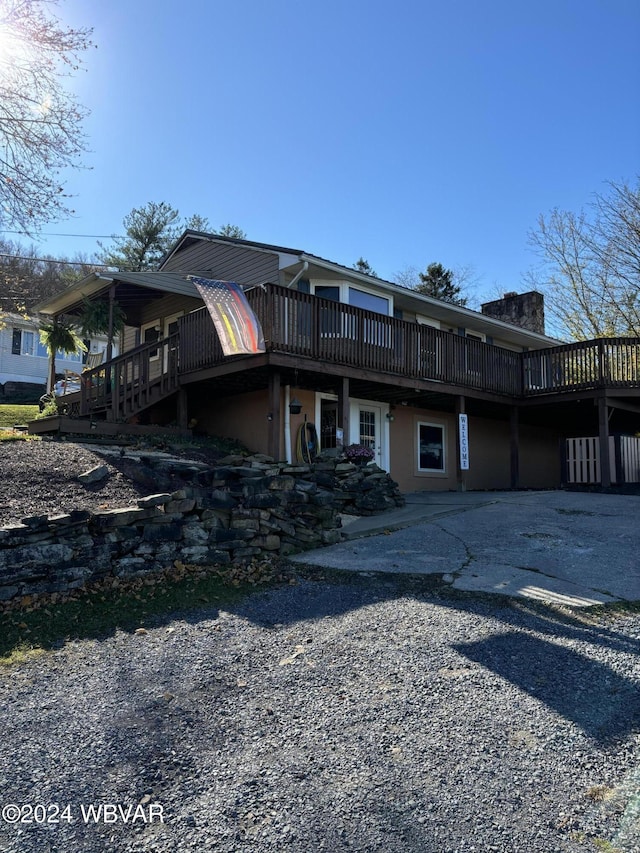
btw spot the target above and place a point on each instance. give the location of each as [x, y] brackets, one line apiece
[237, 326]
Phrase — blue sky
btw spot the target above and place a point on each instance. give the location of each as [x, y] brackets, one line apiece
[407, 133]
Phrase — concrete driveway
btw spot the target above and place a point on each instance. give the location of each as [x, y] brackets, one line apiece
[572, 548]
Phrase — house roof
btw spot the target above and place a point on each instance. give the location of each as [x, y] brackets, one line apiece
[291, 262]
[96, 284]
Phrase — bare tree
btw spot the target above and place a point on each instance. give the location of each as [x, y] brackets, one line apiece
[40, 122]
[27, 278]
[590, 265]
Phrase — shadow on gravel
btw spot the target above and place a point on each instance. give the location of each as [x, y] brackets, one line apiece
[601, 701]
[604, 704]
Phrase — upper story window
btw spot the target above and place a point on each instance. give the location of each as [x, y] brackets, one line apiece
[328, 292]
[369, 301]
[349, 295]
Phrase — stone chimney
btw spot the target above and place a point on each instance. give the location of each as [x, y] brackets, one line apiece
[521, 309]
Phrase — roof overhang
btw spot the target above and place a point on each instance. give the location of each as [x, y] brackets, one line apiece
[97, 284]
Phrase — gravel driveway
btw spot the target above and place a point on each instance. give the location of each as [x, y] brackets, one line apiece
[369, 714]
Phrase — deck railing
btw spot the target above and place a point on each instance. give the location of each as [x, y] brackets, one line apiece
[601, 363]
[133, 380]
[320, 329]
[325, 331]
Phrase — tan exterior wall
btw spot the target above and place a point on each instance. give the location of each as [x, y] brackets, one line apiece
[540, 458]
[245, 418]
[403, 450]
[489, 454]
[242, 418]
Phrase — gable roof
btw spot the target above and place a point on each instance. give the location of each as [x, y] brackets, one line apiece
[292, 262]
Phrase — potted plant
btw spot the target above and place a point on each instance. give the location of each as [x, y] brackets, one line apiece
[359, 454]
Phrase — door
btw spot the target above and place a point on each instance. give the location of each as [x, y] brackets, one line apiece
[369, 427]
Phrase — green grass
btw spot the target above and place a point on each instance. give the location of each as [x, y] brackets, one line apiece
[100, 612]
[11, 414]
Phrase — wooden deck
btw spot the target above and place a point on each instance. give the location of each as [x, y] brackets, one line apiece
[318, 334]
[321, 330]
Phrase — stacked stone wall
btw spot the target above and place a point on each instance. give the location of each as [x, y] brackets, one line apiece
[239, 511]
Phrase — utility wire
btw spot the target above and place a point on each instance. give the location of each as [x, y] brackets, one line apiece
[54, 261]
[54, 234]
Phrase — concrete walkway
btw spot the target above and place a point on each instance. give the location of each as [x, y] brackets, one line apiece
[571, 548]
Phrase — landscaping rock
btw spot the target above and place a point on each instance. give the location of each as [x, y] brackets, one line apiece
[94, 475]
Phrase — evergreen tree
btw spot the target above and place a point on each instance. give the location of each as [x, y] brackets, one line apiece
[150, 232]
[364, 266]
[440, 283]
[230, 230]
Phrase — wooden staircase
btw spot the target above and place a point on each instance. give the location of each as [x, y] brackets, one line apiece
[132, 382]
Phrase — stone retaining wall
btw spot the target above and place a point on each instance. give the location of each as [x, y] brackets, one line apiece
[242, 510]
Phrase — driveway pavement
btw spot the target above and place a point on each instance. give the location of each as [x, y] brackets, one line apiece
[573, 548]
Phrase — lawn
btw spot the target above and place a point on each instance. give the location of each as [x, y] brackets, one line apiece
[16, 414]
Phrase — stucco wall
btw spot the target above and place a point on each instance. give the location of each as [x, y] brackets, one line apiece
[489, 453]
[245, 418]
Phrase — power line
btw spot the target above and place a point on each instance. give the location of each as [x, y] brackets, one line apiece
[54, 234]
[54, 261]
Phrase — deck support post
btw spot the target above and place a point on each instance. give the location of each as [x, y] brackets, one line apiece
[182, 414]
[112, 297]
[273, 415]
[344, 408]
[461, 481]
[514, 422]
[603, 437]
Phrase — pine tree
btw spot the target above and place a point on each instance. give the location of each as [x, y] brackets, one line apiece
[440, 283]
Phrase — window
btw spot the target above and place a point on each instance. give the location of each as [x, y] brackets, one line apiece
[367, 434]
[71, 356]
[149, 334]
[369, 301]
[328, 292]
[22, 342]
[431, 448]
[328, 424]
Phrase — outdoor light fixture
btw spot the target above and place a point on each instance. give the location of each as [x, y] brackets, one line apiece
[390, 417]
[295, 406]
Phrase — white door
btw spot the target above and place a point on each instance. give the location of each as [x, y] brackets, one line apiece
[368, 426]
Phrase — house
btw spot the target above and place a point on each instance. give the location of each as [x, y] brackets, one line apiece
[447, 397]
[24, 361]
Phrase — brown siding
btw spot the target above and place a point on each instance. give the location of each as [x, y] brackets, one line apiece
[403, 451]
[489, 454]
[227, 263]
[242, 418]
[540, 461]
[167, 306]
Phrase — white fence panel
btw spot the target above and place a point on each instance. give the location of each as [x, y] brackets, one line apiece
[630, 453]
[583, 459]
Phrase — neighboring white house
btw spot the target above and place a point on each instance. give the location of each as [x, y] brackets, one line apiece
[23, 357]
